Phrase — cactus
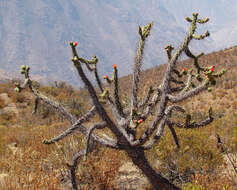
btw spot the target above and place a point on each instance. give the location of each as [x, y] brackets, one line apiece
[130, 115]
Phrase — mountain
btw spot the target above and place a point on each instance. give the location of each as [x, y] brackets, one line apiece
[36, 33]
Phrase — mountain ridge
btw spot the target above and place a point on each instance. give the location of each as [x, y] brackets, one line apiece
[37, 33]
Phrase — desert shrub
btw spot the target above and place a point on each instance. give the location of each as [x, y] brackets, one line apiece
[100, 169]
[197, 152]
[45, 112]
[15, 97]
[2, 141]
[7, 118]
[50, 90]
[190, 186]
[20, 98]
[226, 128]
[209, 181]
[97, 171]
[28, 167]
[65, 86]
[76, 106]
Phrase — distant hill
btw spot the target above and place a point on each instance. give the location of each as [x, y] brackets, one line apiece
[36, 33]
[226, 58]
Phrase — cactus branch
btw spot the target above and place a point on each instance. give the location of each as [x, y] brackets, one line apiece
[111, 103]
[72, 167]
[169, 49]
[166, 85]
[202, 36]
[35, 105]
[74, 127]
[177, 89]
[188, 83]
[202, 21]
[175, 137]
[68, 116]
[183, 96]
[89, 62]
[177, 73]
[188, 19]
[155, 99]
[176, 81]
[144, 33]
[117, 130]
[116, 96]
[147, 98]
[93, 61]
[157, 136]
[78, 126]
[98, 80]
[90, 131]
[55, 105]
[192, 124]
[195, 58]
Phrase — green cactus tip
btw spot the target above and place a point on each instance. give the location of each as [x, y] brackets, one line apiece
[23, 67]
[45, 141]
[27, 68]
[17, 89]
[195, 14]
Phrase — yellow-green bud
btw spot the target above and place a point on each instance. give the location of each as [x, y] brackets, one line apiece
[195, 14]
[17, 89]
[74, 58]
[23, 67]
[45, 141]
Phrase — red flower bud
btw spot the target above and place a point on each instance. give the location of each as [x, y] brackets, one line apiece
[212, 69]
[75, 44]
[185, 69]
[140, 121]
[106, 77]
[115, 66]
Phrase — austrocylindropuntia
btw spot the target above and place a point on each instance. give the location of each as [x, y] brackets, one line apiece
[155, 108]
